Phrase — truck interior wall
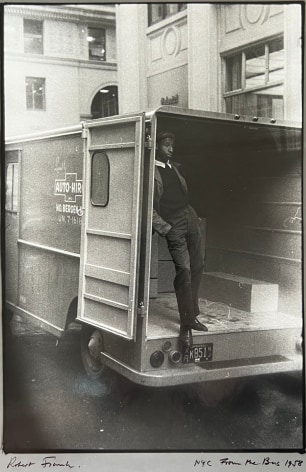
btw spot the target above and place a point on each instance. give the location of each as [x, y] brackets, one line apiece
[245, 181]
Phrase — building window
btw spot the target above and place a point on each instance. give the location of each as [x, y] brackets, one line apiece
[99, 179]
[254, 82]
[160, 11]
[11, 191]
[33, 36]
[105, 102]
[96, 44]
[35, 93]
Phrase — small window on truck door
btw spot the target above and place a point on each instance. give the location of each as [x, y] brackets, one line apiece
[11, 189]
[99, 179]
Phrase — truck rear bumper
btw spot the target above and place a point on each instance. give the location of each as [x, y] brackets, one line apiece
[206, 371]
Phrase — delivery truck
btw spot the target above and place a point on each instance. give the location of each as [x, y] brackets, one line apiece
[79, 245]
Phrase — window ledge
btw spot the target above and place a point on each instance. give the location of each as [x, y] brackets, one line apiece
[33, 53]
[253, 89]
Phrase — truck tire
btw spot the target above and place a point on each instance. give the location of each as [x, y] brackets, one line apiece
[90, 357]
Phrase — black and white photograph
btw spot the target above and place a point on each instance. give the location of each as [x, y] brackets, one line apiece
[152, 266]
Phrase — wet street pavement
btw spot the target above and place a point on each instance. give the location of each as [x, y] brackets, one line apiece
[50, 404]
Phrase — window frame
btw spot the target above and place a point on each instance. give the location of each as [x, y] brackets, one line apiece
[243, 52]
[28, 35]
[34, 108]
[93, 57]
[102, 153]
[14, 197]
[105, 102]
[165, 15]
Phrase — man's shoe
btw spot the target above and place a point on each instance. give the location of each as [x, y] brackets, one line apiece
[196, 325]
[186, 336]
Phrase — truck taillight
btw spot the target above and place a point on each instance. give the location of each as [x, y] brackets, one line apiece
[157, 358]
[175, 357]
[167, 346]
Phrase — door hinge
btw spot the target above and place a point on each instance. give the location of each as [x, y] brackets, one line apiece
[141, 309]
[148, 142]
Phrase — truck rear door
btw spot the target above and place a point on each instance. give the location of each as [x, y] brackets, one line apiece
[111, 227]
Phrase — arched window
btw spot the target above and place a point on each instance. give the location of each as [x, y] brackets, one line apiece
[105, 102]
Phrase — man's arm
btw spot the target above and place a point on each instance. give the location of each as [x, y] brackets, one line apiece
[160, 225]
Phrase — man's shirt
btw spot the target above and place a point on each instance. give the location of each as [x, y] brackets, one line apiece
[163, 164]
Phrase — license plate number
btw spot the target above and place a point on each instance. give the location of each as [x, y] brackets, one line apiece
[198, 353]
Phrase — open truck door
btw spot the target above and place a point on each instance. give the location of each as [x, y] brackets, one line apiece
[111, 227]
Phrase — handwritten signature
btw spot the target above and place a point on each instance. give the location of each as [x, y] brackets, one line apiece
[46, 463]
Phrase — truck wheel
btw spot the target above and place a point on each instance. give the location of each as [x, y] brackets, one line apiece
[91, 346]
[216, 392]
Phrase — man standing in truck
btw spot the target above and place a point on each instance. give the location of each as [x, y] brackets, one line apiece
[177, 221]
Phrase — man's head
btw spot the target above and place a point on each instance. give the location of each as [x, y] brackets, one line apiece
[165, 145]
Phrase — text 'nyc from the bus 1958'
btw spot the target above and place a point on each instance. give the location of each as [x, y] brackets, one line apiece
[250, 463]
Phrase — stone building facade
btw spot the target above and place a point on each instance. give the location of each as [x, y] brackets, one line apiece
[236, 58]
[58, 59]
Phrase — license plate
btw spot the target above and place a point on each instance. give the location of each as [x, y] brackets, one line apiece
[198, 353]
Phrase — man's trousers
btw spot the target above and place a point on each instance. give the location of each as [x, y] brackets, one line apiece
[185, 246]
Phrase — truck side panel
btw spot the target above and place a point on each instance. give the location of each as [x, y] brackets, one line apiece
[48, 282]
[48, 242]
[51, 192]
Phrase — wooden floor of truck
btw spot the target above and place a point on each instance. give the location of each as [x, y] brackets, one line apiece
[218, 317]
